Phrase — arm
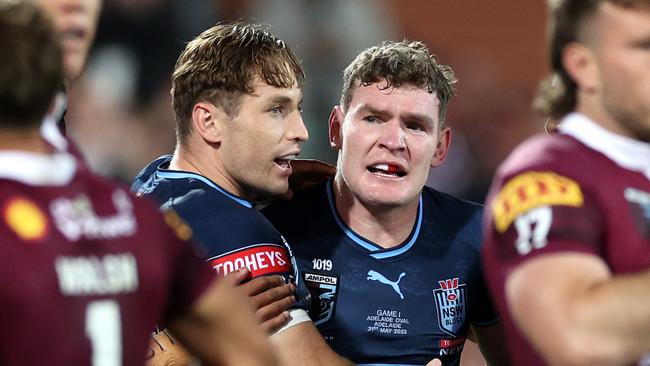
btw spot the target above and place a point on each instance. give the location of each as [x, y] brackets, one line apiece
[491, 342]
[220, 329]
[576, 313]
[302, 344]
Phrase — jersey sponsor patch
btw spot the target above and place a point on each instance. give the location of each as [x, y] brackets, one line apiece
[450, 298]
[640, 205]
[324, 291]
[260, 259]
[25, 218]
[533, 189]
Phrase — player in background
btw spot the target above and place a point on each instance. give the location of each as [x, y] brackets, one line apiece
[75, 22]
[568, 223]
[86, 269]
[393, 266]
[236, 92]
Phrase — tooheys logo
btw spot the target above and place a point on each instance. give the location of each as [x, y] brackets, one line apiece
[260, 259]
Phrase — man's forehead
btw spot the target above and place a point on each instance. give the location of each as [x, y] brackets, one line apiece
[260, 89]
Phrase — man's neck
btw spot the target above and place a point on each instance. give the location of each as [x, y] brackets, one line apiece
[386, 226]
[205, 163]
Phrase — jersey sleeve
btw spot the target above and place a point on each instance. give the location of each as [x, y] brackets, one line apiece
[536, 212]
[190, 276]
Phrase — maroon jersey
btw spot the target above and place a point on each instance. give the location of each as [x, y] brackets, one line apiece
[86, 269]
[584, 190]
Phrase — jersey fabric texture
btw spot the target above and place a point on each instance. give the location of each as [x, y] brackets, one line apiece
[583, 190]
[232, 232]
[86, 269]
[404, 305]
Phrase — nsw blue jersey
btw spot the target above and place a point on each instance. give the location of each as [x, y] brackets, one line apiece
[401, 306]
[232, 233]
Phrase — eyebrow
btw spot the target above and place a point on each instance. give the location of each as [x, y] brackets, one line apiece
[424, 118]
[283, 99]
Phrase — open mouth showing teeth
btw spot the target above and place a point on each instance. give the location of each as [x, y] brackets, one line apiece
[73, 34]
[387, 170]
[284, 163]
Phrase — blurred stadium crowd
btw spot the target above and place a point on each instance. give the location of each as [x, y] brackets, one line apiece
[124, 103]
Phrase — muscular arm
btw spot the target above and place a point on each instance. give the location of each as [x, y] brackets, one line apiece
[576, 313]
[220, 329]
[302, 344]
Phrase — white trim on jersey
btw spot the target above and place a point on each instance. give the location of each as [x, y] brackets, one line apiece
[49, 129]
[626, 152]
[37, 169]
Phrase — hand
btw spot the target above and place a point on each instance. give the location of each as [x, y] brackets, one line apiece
[306, 173]
[270, 296]
[164, 350]
[434, 362]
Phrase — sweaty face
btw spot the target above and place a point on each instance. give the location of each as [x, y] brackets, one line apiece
[622, 49]
[76, 22]
[259, 143]
[388, 140]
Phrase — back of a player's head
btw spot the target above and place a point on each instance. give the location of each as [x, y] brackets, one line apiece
[400, 63]
[31, 71]
[222, 64]
[567, 24]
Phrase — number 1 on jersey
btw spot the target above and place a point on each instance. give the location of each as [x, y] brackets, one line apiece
[104, 328]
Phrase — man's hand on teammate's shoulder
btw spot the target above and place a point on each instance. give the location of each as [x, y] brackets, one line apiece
[270, 295]
[306, 173]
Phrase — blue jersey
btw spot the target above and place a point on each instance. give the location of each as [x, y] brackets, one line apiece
[233, 234]
[404, 305]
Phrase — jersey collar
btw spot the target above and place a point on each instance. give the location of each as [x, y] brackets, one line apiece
[177, 174]
[626, 152]
[37, 169]
[374, 250]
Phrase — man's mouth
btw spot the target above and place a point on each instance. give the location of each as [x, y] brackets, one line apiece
[285, 161]
[387, 170]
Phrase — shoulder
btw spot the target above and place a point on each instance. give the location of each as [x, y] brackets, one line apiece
[147, 172]
[305, 206]
[453, 217]
[559, 153]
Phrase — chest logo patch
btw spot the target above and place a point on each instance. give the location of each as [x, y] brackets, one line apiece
[324, 292]
[376, 276]
[640, 205]
[26, 219]
[450, 300]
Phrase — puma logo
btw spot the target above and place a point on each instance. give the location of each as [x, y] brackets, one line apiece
[376, 276]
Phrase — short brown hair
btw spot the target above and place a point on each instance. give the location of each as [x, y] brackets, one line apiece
[221, 64]
[558, 94]
[31, 71]
[402, 62]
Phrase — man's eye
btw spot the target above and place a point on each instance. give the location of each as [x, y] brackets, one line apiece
[276, 110]
[371, 119]
[415, 126]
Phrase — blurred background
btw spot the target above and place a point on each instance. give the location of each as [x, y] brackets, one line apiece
[496, 48]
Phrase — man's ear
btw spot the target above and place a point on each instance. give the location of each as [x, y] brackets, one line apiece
[334, 130]
[206, 120]
[442, 147]
[580, 63]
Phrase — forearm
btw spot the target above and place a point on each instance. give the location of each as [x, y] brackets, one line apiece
[302, 344]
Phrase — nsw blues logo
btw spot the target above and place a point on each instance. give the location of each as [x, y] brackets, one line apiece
[450, 299]
[324, 292]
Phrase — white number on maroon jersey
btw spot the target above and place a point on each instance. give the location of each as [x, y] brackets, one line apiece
[104, 328]
[532, 229]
